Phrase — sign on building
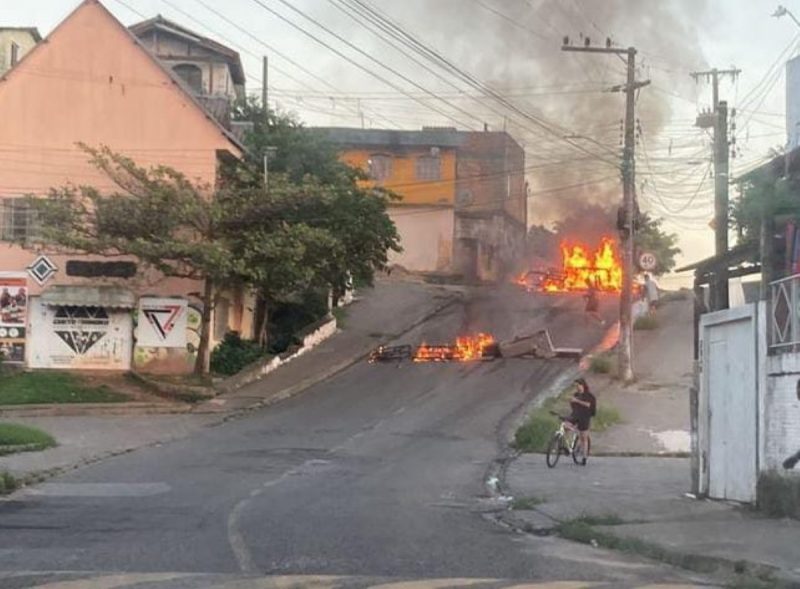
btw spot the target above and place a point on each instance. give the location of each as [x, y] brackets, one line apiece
[162, 323]
[13, 317]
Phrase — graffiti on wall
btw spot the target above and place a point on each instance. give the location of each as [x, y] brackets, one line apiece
[167, 335]
[13, 317]
[80, 327]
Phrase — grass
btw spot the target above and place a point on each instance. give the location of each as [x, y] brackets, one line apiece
[8, 484]
[535, 432]
[523, 503]
[26, 388]
[13, 434]
[646, 322]
[602, 364]
[581, 530]
[609, 519]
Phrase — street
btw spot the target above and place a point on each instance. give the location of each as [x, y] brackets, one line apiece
[378, 472]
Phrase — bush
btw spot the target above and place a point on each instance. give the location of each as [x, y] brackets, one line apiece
[287, 318]
[607, 416]
[778, 495]
[233, 354]
[646, 322]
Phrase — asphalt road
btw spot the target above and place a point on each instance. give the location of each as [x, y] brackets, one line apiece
[378, 472]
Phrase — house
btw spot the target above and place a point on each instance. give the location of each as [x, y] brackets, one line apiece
[15, 42]
[463, 209]
[72, 311]
[212, 72]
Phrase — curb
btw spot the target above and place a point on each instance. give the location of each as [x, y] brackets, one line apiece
[332, 371]
[89, 409]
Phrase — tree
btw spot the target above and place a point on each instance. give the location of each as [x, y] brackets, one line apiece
[157, 216]
[651, 237]
[763, 193]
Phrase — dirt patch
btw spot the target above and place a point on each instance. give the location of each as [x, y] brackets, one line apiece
[121, 382]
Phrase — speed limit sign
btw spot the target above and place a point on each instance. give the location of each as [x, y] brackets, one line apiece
[647, 261]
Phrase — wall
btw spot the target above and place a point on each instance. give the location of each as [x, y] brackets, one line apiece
[404, 179]
[781, 409]
[61, 338]
[426, 235]
[22, 38]
[499, 243]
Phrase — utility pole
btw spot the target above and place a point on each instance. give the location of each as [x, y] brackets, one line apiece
[718, 120]
[265, 82]
[627, 230]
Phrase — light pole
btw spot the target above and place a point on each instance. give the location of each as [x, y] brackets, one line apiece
[783, 11]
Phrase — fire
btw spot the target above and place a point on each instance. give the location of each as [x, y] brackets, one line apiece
[465, 349]
[581, 267]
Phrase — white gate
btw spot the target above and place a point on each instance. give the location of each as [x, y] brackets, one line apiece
[729, 403]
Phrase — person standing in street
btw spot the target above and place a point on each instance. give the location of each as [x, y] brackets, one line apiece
[651, 292]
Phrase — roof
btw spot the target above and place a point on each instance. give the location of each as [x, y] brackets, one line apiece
[739, 254]
[428, 137]
[167, 71]
[34, 32]
[162, 24]
[114, 297]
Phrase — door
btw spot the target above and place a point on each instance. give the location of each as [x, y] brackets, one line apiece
[730, 368]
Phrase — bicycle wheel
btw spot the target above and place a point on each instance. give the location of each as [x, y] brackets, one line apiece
[577, 451]
[554, 450]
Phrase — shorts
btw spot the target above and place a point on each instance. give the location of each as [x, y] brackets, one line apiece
[582, 423]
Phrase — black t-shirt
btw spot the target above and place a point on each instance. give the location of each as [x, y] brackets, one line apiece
[582, 412]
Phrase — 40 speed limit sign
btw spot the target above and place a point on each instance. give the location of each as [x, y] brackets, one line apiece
[647, 261]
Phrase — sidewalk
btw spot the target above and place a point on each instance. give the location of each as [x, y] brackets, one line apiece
[378, 316]
[628, 497]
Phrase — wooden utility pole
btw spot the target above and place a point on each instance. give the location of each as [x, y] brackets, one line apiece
[718, 120]
[627, 230]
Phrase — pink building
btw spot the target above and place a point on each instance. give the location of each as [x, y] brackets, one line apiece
[92, 81]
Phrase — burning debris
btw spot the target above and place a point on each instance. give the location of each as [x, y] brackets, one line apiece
[479, 347]
[581, 268]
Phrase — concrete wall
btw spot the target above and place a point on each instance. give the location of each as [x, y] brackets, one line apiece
[487, 245]
[781, 409]
[426, 235]
[24, 40]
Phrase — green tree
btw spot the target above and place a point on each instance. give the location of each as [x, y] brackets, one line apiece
[157, 216]
[762, 192]
[651, 237]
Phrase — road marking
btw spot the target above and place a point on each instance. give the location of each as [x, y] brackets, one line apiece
[114, 581]
[286, 582]
[433, 584]
[99, 489]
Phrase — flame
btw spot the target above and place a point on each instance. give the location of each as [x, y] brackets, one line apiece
[465, 349]
[582, 267]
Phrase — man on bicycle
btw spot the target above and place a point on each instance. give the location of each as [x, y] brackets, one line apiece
[584, 407]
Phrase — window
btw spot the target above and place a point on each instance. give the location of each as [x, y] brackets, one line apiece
[17, 221]
[192, 75]
[380, 167]
[14, 53]
[429, 167]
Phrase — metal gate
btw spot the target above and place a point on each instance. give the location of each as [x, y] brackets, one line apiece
[729, 403]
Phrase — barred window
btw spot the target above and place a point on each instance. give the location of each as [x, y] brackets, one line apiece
[429, 167]
[17, 220]
[380, 167]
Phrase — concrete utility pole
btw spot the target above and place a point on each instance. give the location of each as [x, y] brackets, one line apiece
[625, 363]
[265, 82]
[718, 120]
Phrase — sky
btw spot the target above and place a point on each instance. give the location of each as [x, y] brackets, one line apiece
[514, 47]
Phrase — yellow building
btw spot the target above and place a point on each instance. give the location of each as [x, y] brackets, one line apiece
[463, 206]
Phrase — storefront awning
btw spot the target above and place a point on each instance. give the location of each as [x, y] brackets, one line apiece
[113, 297]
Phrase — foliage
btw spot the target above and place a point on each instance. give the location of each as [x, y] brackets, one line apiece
[526, 503]
[233, 354]
[536, 432]
[13, 434]
[31, 388]
[762, 193]
[651, 237]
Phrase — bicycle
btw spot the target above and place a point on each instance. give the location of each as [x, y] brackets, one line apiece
[565, 439]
